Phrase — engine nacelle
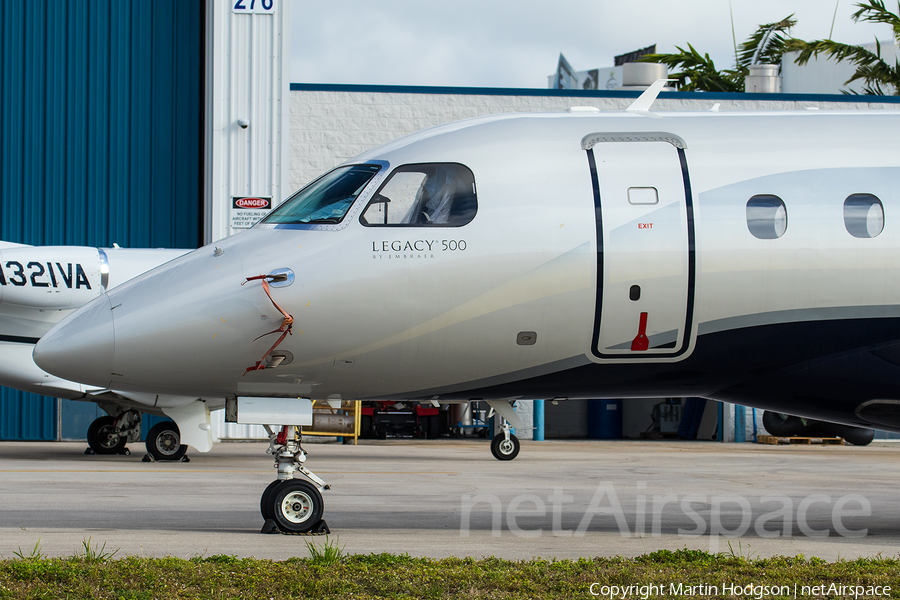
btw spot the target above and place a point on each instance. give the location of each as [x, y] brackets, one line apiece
[51, 277]
[65, 277]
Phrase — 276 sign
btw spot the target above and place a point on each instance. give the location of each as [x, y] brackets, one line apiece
[259, 7]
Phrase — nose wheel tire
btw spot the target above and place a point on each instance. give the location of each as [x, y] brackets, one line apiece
[103, 438]
[296, 505]
[265, 503]
[164, 442]
[504, 449]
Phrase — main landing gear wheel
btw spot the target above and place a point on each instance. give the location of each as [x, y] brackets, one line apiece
[296, 505]
[505, 449]
[432, 427]
[103, 438]
[164, 442]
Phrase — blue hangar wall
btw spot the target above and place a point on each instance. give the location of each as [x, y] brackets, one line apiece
[101, 140]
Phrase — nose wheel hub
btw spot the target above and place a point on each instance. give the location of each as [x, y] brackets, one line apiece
[298, 507]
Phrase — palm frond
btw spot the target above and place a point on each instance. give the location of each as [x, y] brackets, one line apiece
[697, 71]
[766, 44]
[877, 76]
[875, 11]
[836, 50]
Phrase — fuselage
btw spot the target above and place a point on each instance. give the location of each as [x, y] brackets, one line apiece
[748, 257]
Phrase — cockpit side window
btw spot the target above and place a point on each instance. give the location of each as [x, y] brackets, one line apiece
[424, 195]
[325, 200]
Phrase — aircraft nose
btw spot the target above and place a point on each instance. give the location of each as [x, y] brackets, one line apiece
[81, 349]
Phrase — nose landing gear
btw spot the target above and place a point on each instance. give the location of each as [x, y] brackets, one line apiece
[289, 505]
[505, 445]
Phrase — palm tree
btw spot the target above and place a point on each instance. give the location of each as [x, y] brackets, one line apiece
[767, 44]
[699, 73]
[879, 77]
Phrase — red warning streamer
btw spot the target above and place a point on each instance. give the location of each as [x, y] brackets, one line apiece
[285, 328]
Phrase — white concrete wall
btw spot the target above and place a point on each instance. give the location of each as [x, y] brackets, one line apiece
[329, 127]
[727, 422]
[760, 428]
[525, 410]
[235, 431]
[823, 75]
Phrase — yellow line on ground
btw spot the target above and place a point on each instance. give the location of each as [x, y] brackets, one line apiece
[223, 471]
[391, 472]
[113, 471]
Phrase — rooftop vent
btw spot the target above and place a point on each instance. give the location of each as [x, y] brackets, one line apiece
[640, 76]
[763, 79]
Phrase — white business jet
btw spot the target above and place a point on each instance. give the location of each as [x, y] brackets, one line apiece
[747, 257]
[39, 285]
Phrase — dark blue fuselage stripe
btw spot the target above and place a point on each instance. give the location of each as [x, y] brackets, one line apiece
[18, 339]
[598, 217]
[557, 93]
[692, 255]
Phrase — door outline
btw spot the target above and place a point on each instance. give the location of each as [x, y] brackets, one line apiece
[587, 144]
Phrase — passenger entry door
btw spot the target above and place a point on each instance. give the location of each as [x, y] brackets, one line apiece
[645, 246]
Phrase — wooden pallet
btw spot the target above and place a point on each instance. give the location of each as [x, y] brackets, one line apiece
[774, 440]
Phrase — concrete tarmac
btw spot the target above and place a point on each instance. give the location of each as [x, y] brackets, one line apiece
[437, 498]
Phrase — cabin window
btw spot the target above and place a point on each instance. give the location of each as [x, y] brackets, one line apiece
[766, 217]
[863, 215]
[326, 200]
[424, 195]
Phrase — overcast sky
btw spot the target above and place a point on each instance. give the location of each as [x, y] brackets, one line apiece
[516, 43]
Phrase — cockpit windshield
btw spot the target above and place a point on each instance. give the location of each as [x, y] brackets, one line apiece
[326, 200]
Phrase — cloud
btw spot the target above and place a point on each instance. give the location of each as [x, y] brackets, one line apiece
[502, 43]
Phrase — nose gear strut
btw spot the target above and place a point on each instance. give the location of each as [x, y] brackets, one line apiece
[289, 505]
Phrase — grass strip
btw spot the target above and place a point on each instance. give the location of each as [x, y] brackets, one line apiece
[661, 574]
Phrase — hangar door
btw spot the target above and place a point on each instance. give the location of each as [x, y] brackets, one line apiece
[645, 245]
[104, 101]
